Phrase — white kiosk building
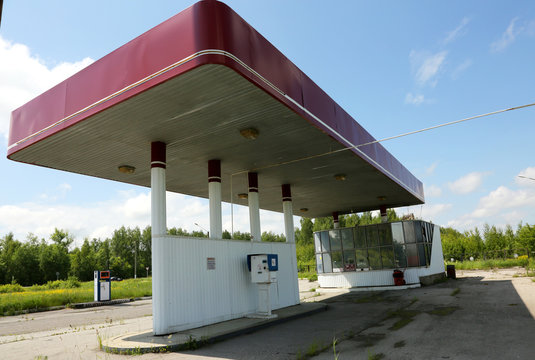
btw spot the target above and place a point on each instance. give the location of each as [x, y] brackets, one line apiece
[203, 105]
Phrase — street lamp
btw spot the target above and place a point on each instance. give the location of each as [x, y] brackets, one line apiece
[208, 232]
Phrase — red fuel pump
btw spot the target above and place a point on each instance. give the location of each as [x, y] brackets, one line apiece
[398, 277]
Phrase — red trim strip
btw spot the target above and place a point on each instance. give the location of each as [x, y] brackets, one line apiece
[214, 170]
[286, 192]
[157, 154]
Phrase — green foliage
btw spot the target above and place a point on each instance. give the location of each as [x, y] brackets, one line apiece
[489, 264]
[10, 288]
[272, 237]
[56, 293]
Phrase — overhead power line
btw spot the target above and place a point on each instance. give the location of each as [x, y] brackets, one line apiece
[390, 138]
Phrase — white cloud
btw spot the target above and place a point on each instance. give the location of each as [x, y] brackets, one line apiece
[503, 198]
[461, 68]
[526, 177]
[432, 191]
[414, 99]
[25, 76]
[128, 208]
[467, 184]
[431, 169]
[507, 38]
[430, 211]
[426, 66]
[457, 32]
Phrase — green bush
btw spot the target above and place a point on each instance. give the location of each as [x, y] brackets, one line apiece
[10, 288]
[489, 264]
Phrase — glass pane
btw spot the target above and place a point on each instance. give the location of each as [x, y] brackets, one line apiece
[372, 235]
[374, 256]
[319, 264]
[387, 256]
[347, 238]
[412, 255]
[349, 260]
[385, 234]
[336, 241]
[400, 255]
[360, 237]
[362, 259]
[428, 252]
[418, 231]
[408, 232]
[325, 241]
[327, 266]
[421, 254]
[317, 242]
[338, 264]
[397, 233]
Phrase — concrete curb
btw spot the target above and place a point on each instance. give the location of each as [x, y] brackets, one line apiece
[105, 303]
[141, 343]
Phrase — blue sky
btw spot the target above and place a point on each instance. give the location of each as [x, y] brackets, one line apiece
[394, 66]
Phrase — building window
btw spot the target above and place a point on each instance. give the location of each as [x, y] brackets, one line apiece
[378, 246]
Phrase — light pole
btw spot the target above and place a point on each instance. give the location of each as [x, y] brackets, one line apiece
[207, 232]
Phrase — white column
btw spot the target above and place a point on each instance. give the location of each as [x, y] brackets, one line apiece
[335, 220]
[254, 207]
[290, 235]
[384, 214]
[160, 259]
[214, 196]
[288, 213]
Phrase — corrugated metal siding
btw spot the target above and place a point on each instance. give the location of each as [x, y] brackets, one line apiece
[384, 277]
[189, 295]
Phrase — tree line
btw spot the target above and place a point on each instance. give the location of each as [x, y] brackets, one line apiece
[128, 252]
[492, 242]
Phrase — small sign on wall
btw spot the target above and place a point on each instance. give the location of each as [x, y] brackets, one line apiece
[210, 263]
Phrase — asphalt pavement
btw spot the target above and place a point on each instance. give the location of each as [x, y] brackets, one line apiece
[481, 315]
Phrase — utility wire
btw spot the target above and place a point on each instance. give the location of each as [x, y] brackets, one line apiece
[525, 177]
[388, 138]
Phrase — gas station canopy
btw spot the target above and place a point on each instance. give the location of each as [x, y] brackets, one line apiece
[197, 82]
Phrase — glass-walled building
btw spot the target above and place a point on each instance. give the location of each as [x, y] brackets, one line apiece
[403, 245]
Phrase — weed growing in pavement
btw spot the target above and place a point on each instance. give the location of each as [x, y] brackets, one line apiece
[406, 316]
[443, 311]
[399, 344]
[374, 356]
[455, 292]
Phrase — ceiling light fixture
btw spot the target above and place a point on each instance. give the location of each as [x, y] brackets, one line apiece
[340, 177]
[303, 209]
[381, 198]
[250, 133]
[127, 169]
[243, 196]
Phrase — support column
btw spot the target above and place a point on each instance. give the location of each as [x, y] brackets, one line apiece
[160, 251]
[157, 184]
[288, 213]
[384, 216]
[214, 196]
[254, 207]
[335, 220]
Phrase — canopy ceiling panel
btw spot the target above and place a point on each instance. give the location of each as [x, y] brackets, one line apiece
[194, 82]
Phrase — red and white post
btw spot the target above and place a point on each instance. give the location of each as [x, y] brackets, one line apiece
[160, 260]
[288, 213]
[254, 207]
[214, 196]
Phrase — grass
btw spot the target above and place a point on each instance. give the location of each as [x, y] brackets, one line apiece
[490, 264]
[311, 276]
[58, 293]
[405, 317]
[443, 311]
[455, 292]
